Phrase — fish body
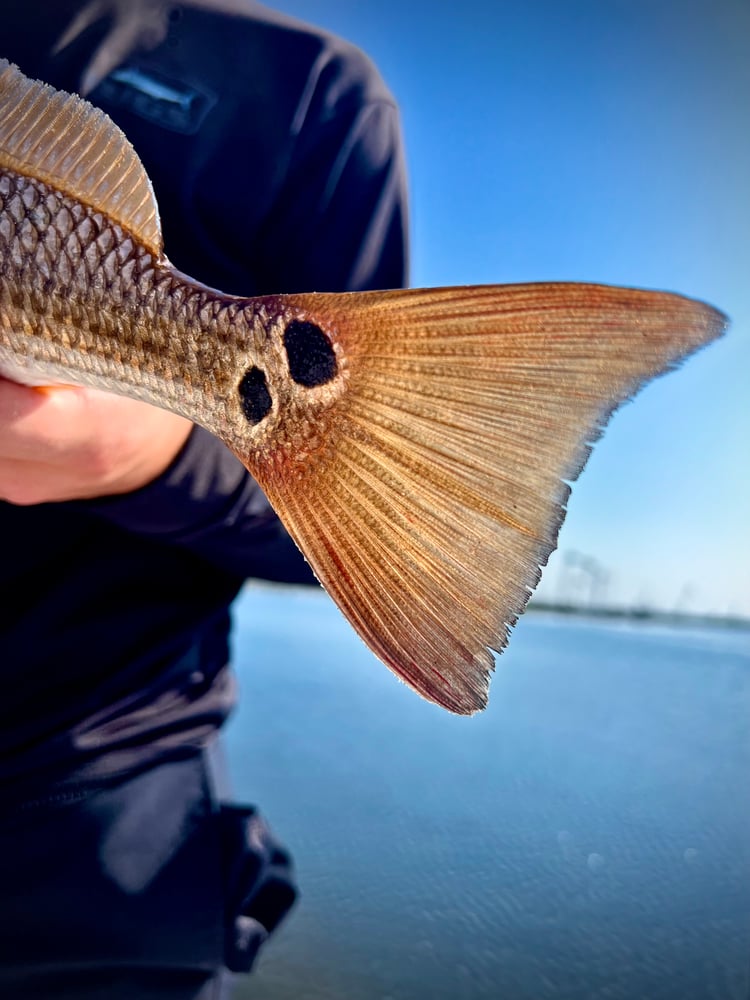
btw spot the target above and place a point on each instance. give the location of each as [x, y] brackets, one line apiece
[86, 302]
[417, 444]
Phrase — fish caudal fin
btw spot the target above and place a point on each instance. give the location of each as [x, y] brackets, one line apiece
[442, 486]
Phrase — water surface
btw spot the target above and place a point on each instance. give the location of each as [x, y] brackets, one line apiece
[586, 837]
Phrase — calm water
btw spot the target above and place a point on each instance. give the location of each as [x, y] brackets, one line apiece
[588, 836]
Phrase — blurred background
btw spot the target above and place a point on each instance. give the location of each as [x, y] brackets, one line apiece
[588, 836]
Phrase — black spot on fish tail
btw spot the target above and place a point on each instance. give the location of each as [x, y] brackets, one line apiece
[254, 395]
[310, 354]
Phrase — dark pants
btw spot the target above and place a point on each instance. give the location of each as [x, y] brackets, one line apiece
[144, 888]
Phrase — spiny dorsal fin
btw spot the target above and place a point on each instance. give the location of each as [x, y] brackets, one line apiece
[65, 142]
[442, 483]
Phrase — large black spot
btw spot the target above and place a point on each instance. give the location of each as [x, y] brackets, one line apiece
[254, 395]
[310, 354]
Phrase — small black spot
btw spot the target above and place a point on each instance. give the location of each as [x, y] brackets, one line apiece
[310, 354]
[254, 395]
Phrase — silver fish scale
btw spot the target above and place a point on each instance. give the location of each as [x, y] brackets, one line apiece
[44, 233]
[82, 301]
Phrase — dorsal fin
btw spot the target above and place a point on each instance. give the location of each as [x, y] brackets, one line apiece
[65, 142]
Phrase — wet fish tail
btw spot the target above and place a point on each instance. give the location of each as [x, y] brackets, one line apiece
[442, 485]
[418, 445]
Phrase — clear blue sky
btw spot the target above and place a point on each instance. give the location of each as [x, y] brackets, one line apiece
[597, 140]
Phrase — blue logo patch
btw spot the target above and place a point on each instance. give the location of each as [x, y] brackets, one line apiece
[172, 104]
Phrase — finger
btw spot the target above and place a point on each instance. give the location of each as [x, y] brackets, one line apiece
[38, 426]
[28, 482]
[17, 401]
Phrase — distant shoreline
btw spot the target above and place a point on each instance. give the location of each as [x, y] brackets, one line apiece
[648, 616]
[645, 615]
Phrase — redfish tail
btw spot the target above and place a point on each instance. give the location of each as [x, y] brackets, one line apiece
[441, 488]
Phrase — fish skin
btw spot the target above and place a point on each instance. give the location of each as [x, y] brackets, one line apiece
[83, 302]
[425, 474]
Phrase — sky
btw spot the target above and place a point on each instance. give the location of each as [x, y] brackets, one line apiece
[597, 140]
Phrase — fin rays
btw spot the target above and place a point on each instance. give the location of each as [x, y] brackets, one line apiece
[380, 581]
[443, 484]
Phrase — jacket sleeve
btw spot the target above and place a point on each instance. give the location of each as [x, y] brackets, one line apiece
[338, 223]
[208, 503]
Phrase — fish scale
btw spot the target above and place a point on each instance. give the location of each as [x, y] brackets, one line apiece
[417, 444]
[103, 297]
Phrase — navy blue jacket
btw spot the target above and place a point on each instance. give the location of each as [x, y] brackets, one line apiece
[277, 165]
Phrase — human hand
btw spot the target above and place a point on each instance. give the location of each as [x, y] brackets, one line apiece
[68, 443]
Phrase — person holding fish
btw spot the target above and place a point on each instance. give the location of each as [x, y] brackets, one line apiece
[418, 446]
[275, 152]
